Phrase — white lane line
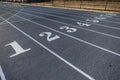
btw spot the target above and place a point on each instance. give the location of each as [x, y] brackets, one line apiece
[76, 16]
[116, 28]
[2, 74]
[107, 20]
[83, 41]
[90, 30]
[52, 52]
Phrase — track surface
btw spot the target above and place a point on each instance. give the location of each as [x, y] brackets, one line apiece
[40, 43]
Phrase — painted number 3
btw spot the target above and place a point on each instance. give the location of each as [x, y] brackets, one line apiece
[49, 36]
[68, 29]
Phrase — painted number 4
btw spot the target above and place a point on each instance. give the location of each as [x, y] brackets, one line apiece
[18, 49]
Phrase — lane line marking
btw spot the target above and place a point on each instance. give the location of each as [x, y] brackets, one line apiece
[2, 74]
[90, 30]
[55, 54]
[83, 41]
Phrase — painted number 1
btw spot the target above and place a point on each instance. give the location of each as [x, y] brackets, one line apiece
[18, 49]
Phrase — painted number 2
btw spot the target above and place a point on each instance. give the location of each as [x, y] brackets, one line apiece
[18, 49]
[49, 36]
[68, 29]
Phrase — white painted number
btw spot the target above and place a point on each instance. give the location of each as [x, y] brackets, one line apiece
[83, 24]
[18, 49]
[68, 29]
[49, 34]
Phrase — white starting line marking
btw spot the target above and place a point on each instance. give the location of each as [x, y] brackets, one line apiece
[52, 52]
[2, 74]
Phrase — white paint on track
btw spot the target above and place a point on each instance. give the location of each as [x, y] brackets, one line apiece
[55, 54]
[2, 74]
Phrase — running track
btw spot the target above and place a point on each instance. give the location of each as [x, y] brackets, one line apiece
[41, 43]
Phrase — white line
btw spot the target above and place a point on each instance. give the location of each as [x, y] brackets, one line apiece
[76, 26]
[55, 54]
[112, 52]
[112, 21]
[116, 28]
[2, 74]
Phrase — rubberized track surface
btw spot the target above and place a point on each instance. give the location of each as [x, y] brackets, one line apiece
[40, 43]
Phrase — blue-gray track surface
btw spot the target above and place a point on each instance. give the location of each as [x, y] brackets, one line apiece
[63, 44]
